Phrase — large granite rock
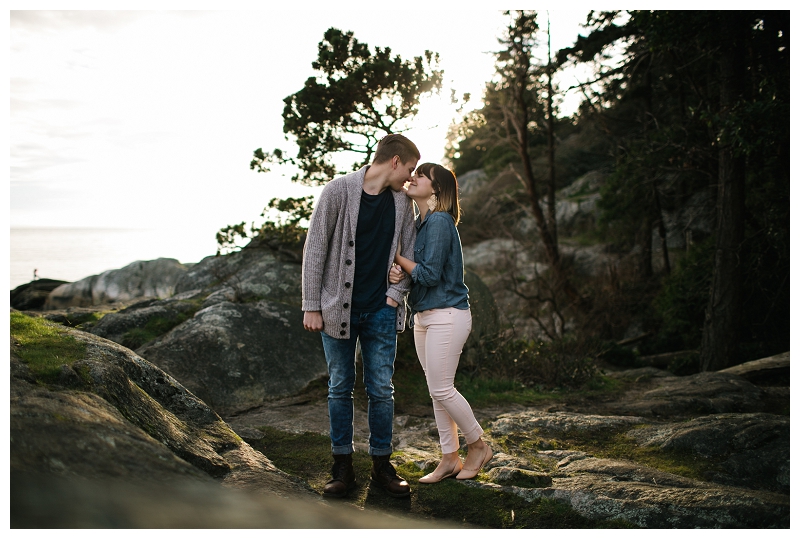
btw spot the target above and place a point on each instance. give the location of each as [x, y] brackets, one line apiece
[152, 318]
[258, 271]
[603, 489]
[141, 279]
[32, 295]
[235, 356]
[115, 442]
[752, 448]
[113, 414]
[690, 396]
[485, 317]
[748, 488]
[559, 423]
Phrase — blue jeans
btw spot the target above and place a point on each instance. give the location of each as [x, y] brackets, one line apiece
[378, 336]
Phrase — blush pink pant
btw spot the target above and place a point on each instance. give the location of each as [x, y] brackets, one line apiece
[439, 336]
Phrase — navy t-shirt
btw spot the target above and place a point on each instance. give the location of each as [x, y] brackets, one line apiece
[374, 234]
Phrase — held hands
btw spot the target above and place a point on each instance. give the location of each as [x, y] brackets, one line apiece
[396, 274]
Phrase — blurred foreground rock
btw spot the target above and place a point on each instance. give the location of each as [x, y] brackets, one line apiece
[48, 501]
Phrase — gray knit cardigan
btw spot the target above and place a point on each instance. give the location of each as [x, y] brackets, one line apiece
[329, 255]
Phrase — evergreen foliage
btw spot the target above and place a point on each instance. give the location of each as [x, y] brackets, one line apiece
[356, 98]
[667, 127]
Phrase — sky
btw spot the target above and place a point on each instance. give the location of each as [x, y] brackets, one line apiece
[148, 119]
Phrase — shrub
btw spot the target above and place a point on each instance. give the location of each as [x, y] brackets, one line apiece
[563, 363]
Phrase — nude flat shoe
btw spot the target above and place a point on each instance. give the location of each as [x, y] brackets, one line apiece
[431, 478]
[467, 473]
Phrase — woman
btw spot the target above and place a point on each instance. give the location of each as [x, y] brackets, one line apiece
[441, 316]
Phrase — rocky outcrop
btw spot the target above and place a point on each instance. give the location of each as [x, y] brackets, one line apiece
[559, 423]
[114, 414]
[235, 356]
[471, 181]
[115, 442]
[485, 317]
[747, 487]
[576, 204]
[690, 396]
[32, 295]
[507, 266]
[141, 279]
[45, 501]
[159, 315]
[606, 489]
[706, 470]
[256, 272]
[751, 449]
[233, 331]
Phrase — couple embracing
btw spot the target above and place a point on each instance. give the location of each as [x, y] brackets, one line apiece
[364, 253]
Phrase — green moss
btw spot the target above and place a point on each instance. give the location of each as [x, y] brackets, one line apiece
[85, 374]
[44, 346]
[308, 456]
[82, 320]
[154, 328]
[612, 445]
[683, 463]
[136, 337]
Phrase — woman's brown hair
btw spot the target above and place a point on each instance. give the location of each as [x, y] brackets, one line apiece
[445, 187]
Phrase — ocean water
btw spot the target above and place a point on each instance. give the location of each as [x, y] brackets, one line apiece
[70, 254]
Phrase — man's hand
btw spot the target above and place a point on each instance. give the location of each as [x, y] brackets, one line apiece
[312, 321]
[390, 301]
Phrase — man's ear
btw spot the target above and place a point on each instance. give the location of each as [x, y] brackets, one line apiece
[395, 161]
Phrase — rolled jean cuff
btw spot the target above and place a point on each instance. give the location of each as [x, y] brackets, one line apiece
[380, 452]
[473, 435]
[342, 449]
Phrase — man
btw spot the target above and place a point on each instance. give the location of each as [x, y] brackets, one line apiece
[358, 224]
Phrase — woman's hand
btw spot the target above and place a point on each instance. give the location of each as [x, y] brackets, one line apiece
[396, 274]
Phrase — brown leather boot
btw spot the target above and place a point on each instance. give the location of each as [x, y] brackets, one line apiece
[344, 477]
[384, 474]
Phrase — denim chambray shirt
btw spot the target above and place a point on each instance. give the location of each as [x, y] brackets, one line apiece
[439, 274]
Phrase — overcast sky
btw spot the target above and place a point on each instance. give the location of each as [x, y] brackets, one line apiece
[149, 118]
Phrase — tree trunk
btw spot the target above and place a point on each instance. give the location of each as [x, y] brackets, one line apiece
[719, 348]
[645, 265]
[662, 230]
[551, 152]
[518, 117]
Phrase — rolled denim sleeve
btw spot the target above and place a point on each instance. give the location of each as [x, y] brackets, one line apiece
[428, 271]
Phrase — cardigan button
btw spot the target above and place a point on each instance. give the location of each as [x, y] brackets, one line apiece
[344, 324]
[351, 243]
[348, 262]
[347, 285]
[346, 305]
[343, 332]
